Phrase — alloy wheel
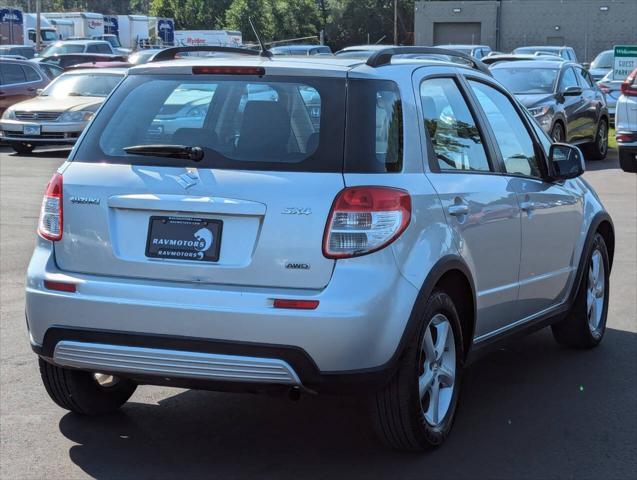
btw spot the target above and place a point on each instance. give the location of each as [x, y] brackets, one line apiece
[595, 293]
[437, 370]
[602, 139]
[557, 134]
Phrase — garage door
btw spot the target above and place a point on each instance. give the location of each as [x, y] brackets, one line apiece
[446, 33]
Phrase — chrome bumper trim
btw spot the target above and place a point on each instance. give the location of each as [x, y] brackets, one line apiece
[173, 363]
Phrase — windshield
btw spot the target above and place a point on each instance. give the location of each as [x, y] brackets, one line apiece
[62, 48]
[48, 35]
[82, 85]
[526, 80]
[604, 60]
[114, 41]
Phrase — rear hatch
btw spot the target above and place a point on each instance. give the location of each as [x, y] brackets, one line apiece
[252, 212]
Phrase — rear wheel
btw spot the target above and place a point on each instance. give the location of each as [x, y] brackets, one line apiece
[417, 408]
[557, 133]
[22, 148]
[85, 393]
[586, 322]
[598, 149]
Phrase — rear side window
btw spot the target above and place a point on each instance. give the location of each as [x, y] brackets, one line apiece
[104, 48]
[374, 142]
[241, 122]
[30, 74]
[451, 127]
[11, 73]
[92, 48]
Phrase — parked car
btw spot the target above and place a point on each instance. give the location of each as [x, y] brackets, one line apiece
[360, 51]
[602, 64]
[58, 114]
[567, 53]
[626, 124]
[20, 80]
[302, 50]
[476, 51]
[612, 90]
[78, 46]
[516, 57]
[115, 43]
[563, 99]
[262, 251]
[143, 56]
[83, 66]
[25, 51]
[68, 60]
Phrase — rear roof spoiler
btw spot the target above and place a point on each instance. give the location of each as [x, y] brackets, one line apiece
[384, 56]
[172, 52]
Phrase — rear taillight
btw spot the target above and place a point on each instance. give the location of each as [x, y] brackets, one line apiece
[622, 137]
[629, 87]
[50, 223]
[604, 88]
[364, 220]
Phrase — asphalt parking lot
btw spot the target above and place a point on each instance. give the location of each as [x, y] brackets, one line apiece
[529, 410]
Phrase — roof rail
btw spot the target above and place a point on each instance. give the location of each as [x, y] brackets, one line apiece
[171, 53]
[384, 56]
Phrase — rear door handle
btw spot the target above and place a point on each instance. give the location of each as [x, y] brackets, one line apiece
[458, 210]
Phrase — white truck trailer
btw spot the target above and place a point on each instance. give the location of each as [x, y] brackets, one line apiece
[221, 38]
[87, 24]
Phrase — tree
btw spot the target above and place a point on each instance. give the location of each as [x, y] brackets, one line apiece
[259, 11]
[192, 14]
[294, 18]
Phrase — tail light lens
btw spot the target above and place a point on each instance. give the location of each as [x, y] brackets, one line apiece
[50, 223]
[364, 220]
[629, 87]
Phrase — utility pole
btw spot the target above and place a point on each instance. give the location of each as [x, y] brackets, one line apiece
[38, 12]
[395, 22]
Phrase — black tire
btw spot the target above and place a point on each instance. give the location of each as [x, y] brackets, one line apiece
[558, 135]
[627, 161]
[575, 331]
[79, 392]
[22, 148]
[598, 149]
[397, 410]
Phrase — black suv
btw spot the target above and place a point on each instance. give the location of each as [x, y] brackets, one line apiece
[564, 100]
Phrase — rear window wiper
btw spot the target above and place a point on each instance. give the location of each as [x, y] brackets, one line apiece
[174, 151]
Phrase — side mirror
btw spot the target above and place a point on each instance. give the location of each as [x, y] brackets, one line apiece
[572, 91]
[586, 65]
[565, 161]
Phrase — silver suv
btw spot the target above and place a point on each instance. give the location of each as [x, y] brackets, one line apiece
[313, 225]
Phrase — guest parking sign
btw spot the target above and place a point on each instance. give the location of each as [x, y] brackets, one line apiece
[625, 61]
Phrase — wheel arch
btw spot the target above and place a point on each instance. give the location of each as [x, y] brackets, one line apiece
[602, 224]
[451, 274]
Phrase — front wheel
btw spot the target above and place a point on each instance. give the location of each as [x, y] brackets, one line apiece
[557, 133]
[585, 325]
[22, 148]
[417, 408]
[86, 393]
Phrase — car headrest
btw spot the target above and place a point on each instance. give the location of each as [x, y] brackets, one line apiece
[265, 129]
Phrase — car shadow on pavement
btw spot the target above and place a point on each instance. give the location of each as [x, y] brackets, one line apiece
[49, 153]
[530, 409]
[610, 162]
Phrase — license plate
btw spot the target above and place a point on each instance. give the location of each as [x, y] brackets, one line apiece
[31, 130]
[184, 238]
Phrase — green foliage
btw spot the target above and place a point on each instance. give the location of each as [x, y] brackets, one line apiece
[260, 11]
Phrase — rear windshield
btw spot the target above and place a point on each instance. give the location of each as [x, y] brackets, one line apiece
[249, 123]
[526, 80]
[62, 48]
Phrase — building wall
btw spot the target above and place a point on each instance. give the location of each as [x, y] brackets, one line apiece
[577, 23]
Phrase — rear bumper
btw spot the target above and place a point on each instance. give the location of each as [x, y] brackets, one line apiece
[350, 339]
